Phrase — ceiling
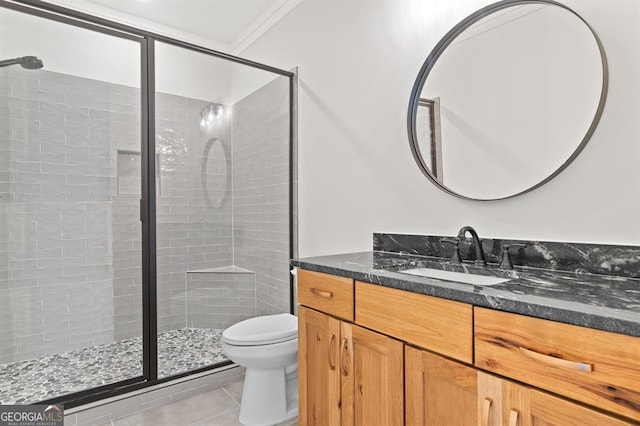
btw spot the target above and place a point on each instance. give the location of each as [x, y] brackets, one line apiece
[228, 25]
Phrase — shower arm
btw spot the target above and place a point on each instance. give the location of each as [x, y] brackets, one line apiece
[9, 62]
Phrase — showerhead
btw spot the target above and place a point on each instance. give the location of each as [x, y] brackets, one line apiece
[31, 62]
[27, 62]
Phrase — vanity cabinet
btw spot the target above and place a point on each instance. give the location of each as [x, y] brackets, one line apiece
[351, 359]
[373, 355]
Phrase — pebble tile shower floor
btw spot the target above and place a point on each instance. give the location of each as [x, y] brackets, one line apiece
[27, 382]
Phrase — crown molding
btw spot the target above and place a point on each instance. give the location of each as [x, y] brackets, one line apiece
[262, 24]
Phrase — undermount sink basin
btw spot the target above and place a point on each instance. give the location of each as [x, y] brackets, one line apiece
[459, 277]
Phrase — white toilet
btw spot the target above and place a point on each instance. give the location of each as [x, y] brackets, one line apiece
[268, 347]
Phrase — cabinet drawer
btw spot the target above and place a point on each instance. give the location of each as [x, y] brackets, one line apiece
[592, 366]
[440, 325]
[327, 293]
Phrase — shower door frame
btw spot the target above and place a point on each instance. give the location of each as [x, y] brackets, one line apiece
[147, 41]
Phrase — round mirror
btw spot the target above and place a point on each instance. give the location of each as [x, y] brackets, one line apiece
[507, 99]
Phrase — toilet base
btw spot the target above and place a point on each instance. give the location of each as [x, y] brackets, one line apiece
[269, 397]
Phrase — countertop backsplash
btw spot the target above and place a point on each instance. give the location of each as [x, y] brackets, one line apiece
[623, 261]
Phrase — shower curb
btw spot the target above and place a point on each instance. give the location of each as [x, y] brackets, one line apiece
[104, 411]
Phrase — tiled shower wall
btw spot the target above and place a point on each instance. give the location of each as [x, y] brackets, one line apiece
[261, 192]
[126, 242]
[218, 300]
[56, 180]
[192, 232]
[194, 228]
[70, 245]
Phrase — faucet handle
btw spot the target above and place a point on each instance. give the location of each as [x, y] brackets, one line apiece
[506, 255]
[456, 250]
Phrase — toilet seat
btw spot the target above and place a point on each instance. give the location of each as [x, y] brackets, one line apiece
[264, 330]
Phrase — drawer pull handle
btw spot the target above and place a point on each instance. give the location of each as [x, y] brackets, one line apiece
[321, 293]
[513, 417]
[486, 409]
[332, 361]
[557, 362]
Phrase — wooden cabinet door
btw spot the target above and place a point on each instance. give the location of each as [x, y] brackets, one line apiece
[502, 402]
[372, 378]
[547, 410]
[438, 391]
[318, 368]
[505, 403]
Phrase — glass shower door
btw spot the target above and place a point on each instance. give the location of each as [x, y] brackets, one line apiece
[222, 201]
[70, 233]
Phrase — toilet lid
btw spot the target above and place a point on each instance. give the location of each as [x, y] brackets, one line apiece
[262, 330]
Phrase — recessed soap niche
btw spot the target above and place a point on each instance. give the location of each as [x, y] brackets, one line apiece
[129, 173]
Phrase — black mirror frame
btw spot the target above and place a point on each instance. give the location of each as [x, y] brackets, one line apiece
[437, 52]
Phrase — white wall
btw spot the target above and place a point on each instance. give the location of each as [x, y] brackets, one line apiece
[192, 74]
[70, 50]
[358, 60]
[84, 53]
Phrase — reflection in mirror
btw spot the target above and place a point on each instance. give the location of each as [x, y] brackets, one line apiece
[428, 128]
[216, 173]
[507, 99]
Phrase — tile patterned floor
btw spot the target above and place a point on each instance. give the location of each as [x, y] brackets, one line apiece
[30, 381]
[220, 407]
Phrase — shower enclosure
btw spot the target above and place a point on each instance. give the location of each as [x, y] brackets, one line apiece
[145, 204]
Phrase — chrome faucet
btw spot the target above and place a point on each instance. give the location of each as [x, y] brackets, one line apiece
[476, 243]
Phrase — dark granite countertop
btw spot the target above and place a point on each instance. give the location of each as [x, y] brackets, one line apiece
[610, 303]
